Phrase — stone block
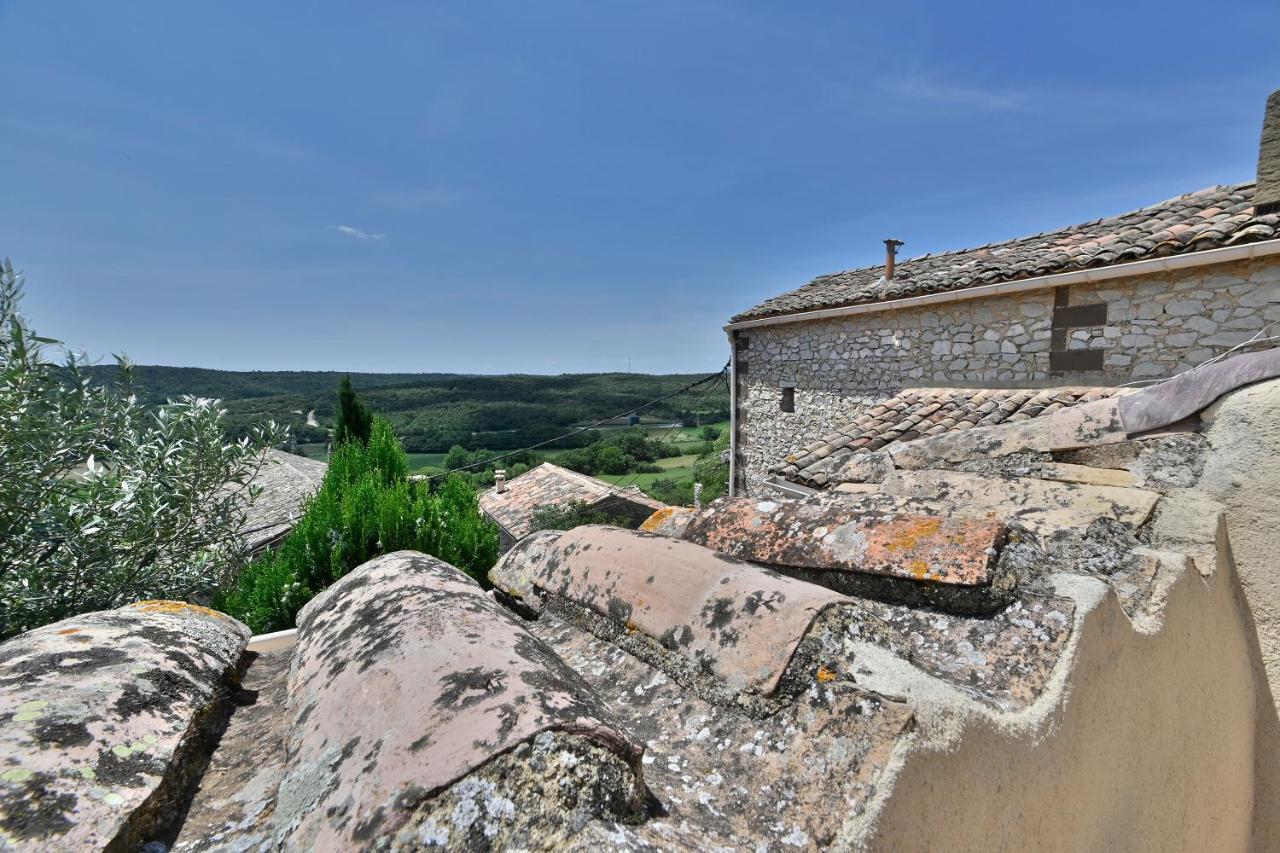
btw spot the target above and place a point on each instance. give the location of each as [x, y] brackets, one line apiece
[1045, 506]
[105, 717]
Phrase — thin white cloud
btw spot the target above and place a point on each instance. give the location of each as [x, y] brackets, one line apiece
[924, 88]
[357, 234]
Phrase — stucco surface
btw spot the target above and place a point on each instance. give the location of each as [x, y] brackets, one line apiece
[1150, 745]
[1243, 473]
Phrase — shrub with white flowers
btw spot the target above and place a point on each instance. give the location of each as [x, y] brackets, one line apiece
[103, 502]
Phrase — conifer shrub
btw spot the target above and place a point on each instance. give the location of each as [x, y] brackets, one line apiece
[355, 421]
[365, 506]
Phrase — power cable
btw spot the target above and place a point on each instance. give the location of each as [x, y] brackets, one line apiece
[672, 431]
[599, 423]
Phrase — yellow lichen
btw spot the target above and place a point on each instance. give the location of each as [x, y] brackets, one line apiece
[175, 607]
[655, 521]
[825, 675]
[66, 631]
[16, 775]
[906, 534]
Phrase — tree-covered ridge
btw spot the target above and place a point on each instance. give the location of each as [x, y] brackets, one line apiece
[432, 412]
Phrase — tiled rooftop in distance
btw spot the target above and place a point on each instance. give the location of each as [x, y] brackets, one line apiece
[550, 485]
[286, 480]
[1208, 219]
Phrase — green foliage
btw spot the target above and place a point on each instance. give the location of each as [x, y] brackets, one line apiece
[354, 422]
[618, 452]
[104, 502]
[573, 514]
[366, 506]
[708, 433]
[711, 470]
[433, 411]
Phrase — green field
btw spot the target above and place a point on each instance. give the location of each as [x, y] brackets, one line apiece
[418, 461]
[673, 468]
[644, 481]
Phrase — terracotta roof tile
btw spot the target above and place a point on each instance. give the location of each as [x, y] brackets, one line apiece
[1208, 219]
[924, 412]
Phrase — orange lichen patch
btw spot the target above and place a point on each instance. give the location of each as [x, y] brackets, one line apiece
[905, 533]
[825, 675]
[176, 608]
[654, 522]
[66, 631]
[933, 549]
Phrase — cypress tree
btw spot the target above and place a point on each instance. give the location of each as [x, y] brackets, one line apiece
[355, 422]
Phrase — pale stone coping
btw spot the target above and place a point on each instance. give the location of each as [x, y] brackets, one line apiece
[1126, 270]
[272, 642]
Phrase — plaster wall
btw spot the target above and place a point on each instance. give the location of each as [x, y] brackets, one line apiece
[1155, 326]
[1242, 472]
[1143, 743]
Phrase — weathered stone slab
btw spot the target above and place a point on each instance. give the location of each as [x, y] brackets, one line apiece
[975, 443]
[1188, 393]
[668, 521]
[1069, 473]
[407, 679]
[728, 780]
[100, 718]
[232, 809]
[1042, 505]
[857, 488]
[1003, 660]
[813, 536]
[741, 622]
[516, 573]
[1086, 425]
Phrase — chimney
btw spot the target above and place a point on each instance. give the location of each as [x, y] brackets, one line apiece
[1266, 195]
[500, 481]
[890, 253]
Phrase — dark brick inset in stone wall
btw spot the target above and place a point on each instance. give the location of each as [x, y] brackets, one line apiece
[1076, 316]
[1075, 360]
[1065, 318]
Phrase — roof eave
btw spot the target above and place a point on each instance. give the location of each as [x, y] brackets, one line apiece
[1226, 254]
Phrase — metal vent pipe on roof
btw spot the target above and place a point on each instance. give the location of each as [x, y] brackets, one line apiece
[890, 253]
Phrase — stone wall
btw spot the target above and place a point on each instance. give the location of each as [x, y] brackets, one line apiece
[1155, 325]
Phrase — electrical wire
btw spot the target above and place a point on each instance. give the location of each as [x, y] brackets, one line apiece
[672, 431]
[579, 431]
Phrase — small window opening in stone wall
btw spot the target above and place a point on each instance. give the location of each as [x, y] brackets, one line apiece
[788, 398]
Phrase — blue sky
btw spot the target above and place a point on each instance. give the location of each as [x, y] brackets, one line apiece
[556, 187]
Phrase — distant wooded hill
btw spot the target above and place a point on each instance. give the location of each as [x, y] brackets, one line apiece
[434, 411]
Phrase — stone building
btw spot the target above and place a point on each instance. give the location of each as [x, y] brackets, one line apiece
[1127, 299]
